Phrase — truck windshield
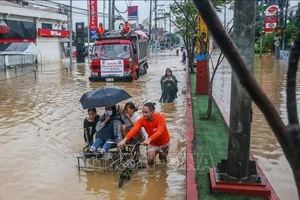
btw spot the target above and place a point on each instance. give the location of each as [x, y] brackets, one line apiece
[111, 51]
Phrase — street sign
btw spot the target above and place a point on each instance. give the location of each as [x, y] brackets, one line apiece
[132, 13]
[276, 43]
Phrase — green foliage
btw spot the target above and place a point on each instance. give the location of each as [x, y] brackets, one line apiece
[180, 12]
[268, 41]
[186, 20]
[186, 15]
[290, 33]
[257, 48]
[174, 38]
[259, 21]
[219, 4]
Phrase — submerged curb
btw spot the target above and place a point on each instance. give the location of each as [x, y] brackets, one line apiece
[191, 186]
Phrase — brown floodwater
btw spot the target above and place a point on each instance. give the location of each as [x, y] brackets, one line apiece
[271, 75]
[41, 133]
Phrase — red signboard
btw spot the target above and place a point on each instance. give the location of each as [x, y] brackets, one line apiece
[272, 9]
[53, 33]
[271, 19]
[93, 15]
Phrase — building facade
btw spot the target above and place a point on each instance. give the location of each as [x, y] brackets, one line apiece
[25, 24]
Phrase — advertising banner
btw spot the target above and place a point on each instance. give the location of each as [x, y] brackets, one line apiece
[132, 13]
[80, 42]
[18, 30]
[271, 19]
[202, 41]
[53, 33]
[93, 6]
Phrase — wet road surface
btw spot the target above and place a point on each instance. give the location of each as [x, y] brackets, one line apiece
[271, 75]
[41, 134]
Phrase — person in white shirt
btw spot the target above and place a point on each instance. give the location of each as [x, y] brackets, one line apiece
[130, 117]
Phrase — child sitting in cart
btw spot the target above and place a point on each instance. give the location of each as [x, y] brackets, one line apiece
[89, 125]
[108, 132]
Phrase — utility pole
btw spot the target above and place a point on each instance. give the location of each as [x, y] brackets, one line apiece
[281, 6]
[113, 15]
[155, 25]
[155, 19]
[109, 14]
[170, 30]
[104, 13]
[285, 22]
[262, 28]
[238, 168]
[150, 21]
[88, 30]
[71, 37]
[225, 14]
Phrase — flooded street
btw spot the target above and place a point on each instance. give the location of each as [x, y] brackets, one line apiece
[41, 133]
[271, 75]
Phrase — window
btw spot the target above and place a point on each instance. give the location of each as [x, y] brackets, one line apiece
[112, 51]
[46, 26]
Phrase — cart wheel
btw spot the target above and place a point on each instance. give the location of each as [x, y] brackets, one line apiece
[137, 75]
[121, 182]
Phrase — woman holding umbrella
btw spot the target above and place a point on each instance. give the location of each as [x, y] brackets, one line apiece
[108, 131]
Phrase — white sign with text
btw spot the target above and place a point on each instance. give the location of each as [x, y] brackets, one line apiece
[112, 67]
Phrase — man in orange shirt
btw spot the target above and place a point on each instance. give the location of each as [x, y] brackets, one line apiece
[100, 31]
[158, 140]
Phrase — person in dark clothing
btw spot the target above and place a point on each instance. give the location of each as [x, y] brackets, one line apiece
[108, 130]
[169, 87]
[183, 58]
[89, 125]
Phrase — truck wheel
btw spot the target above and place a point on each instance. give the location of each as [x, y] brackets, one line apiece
[145, 69]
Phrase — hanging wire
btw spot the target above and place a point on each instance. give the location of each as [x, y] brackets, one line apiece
[120, 14]
[119, 10]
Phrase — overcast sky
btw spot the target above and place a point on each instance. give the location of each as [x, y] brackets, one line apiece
[143, 9]
[121, 5]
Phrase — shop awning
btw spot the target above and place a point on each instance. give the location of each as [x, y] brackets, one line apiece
[19, 49]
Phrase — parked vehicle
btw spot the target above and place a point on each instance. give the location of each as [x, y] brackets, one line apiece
[117, 58]
[74, 52]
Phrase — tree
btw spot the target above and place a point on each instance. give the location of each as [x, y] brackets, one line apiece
[186, 20]
[174, 38]
[288, 135]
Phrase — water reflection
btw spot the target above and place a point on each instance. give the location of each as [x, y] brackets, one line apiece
[41, 134]
[271, 75]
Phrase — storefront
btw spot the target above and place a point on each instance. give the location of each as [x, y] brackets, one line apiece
[47, 30]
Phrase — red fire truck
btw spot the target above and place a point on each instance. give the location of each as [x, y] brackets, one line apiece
[119, 58]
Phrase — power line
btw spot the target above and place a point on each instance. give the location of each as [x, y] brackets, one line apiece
[58, 7]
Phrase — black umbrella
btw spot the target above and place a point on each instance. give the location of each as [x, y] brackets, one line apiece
[103, 97]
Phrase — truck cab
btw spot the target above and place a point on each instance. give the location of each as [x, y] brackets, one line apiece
[115, 58]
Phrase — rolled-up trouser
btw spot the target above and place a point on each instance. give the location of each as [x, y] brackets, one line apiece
[105, 145]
